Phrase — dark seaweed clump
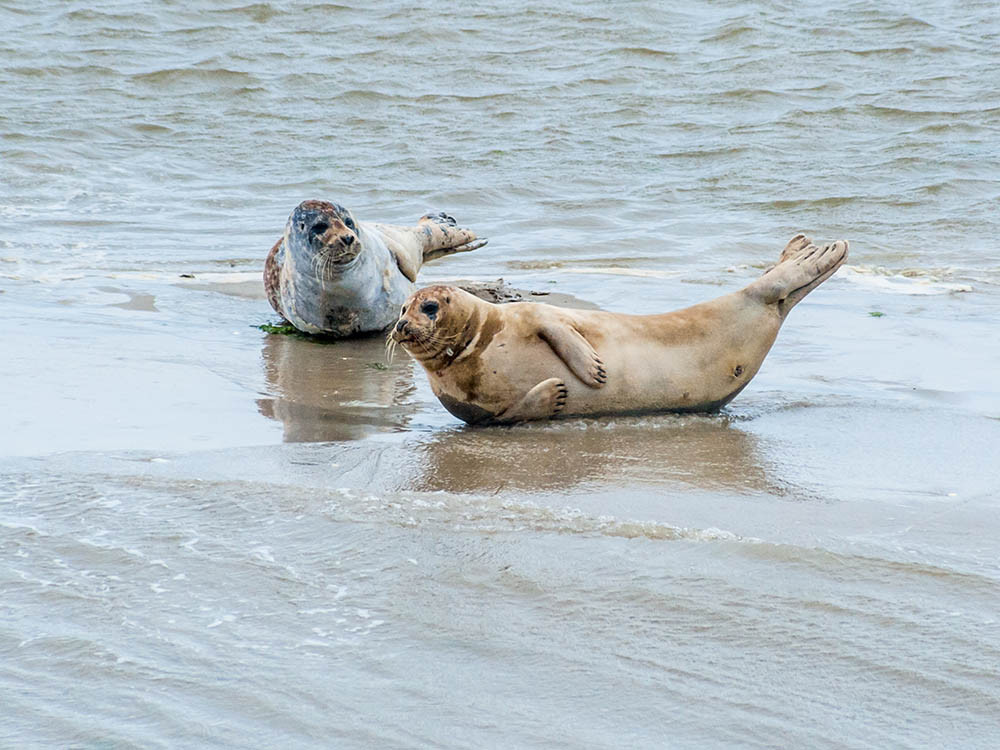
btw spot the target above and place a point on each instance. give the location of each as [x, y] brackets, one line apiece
[287, 329]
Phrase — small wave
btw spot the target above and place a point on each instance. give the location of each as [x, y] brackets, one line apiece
[903, 113]
[750, 95]
[707, 153]
[913, 282]
[325, 8]
[235, 277]
[809, 203]
[880, 51]
[494, 515]
[906, 22]
[645, 52]
[950, 128]
[151, 128]
[729, 33]
[258, 12]
[116, 20]
[174, 76]
[64, 71]
[621, 271]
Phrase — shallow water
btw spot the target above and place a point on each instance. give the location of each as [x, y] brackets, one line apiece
[215, 537]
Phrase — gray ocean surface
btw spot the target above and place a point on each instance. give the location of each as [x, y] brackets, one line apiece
[213, 537]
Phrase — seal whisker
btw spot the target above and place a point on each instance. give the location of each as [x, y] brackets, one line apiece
[438, 338]
[325, 264]
[425, 350]
[390, 347]
[316, 265]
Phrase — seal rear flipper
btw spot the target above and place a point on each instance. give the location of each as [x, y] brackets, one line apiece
[434, 236]
[803, 267]
[442, 236]
[573, 349]
[544, 401]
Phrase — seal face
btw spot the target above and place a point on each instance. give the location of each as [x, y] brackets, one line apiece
[522, 361]
[330, 274]
[325, 235]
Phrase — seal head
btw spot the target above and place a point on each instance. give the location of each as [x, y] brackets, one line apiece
[323, 236]
[445, 329]
[431, 328]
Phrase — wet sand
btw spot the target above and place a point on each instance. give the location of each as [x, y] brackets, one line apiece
[210, 477]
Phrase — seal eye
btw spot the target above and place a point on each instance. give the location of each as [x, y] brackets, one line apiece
[319, 228]
[349, 222]
[430, 309]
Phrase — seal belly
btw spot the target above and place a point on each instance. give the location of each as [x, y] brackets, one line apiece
[346, 303]
[467, 412]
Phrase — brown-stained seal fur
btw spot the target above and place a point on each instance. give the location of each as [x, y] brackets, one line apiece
[522, 361]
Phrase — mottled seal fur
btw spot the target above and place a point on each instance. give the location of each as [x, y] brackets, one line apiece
[521, 361]
[332, 275]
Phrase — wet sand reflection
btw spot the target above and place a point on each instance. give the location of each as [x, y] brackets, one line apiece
[708, 452]
[333, 391]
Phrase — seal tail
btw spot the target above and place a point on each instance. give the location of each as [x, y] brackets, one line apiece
[442, 236]
[802, 267]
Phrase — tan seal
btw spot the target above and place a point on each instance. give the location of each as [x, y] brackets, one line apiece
[522, 361]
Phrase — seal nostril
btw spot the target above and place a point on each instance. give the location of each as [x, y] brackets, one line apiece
[401, 326]
[348, 240]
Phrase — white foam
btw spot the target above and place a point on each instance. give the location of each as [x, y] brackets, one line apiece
[894, 283]
[232, 277]
[619, 271]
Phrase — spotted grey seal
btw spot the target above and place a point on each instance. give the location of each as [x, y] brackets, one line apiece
[332, 275]
[522, 361]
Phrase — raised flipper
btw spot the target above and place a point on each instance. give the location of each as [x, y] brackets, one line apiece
[446, 237]
[434, 236]
[545, 400]
[573, 349]
[803, 267]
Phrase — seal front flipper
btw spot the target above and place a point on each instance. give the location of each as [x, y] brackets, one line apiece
[545, 400]
[573, 349]
[272, 276]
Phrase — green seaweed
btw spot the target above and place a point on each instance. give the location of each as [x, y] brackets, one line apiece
[378, 366]
[289, 330]
[285, 329]
[877, 314]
